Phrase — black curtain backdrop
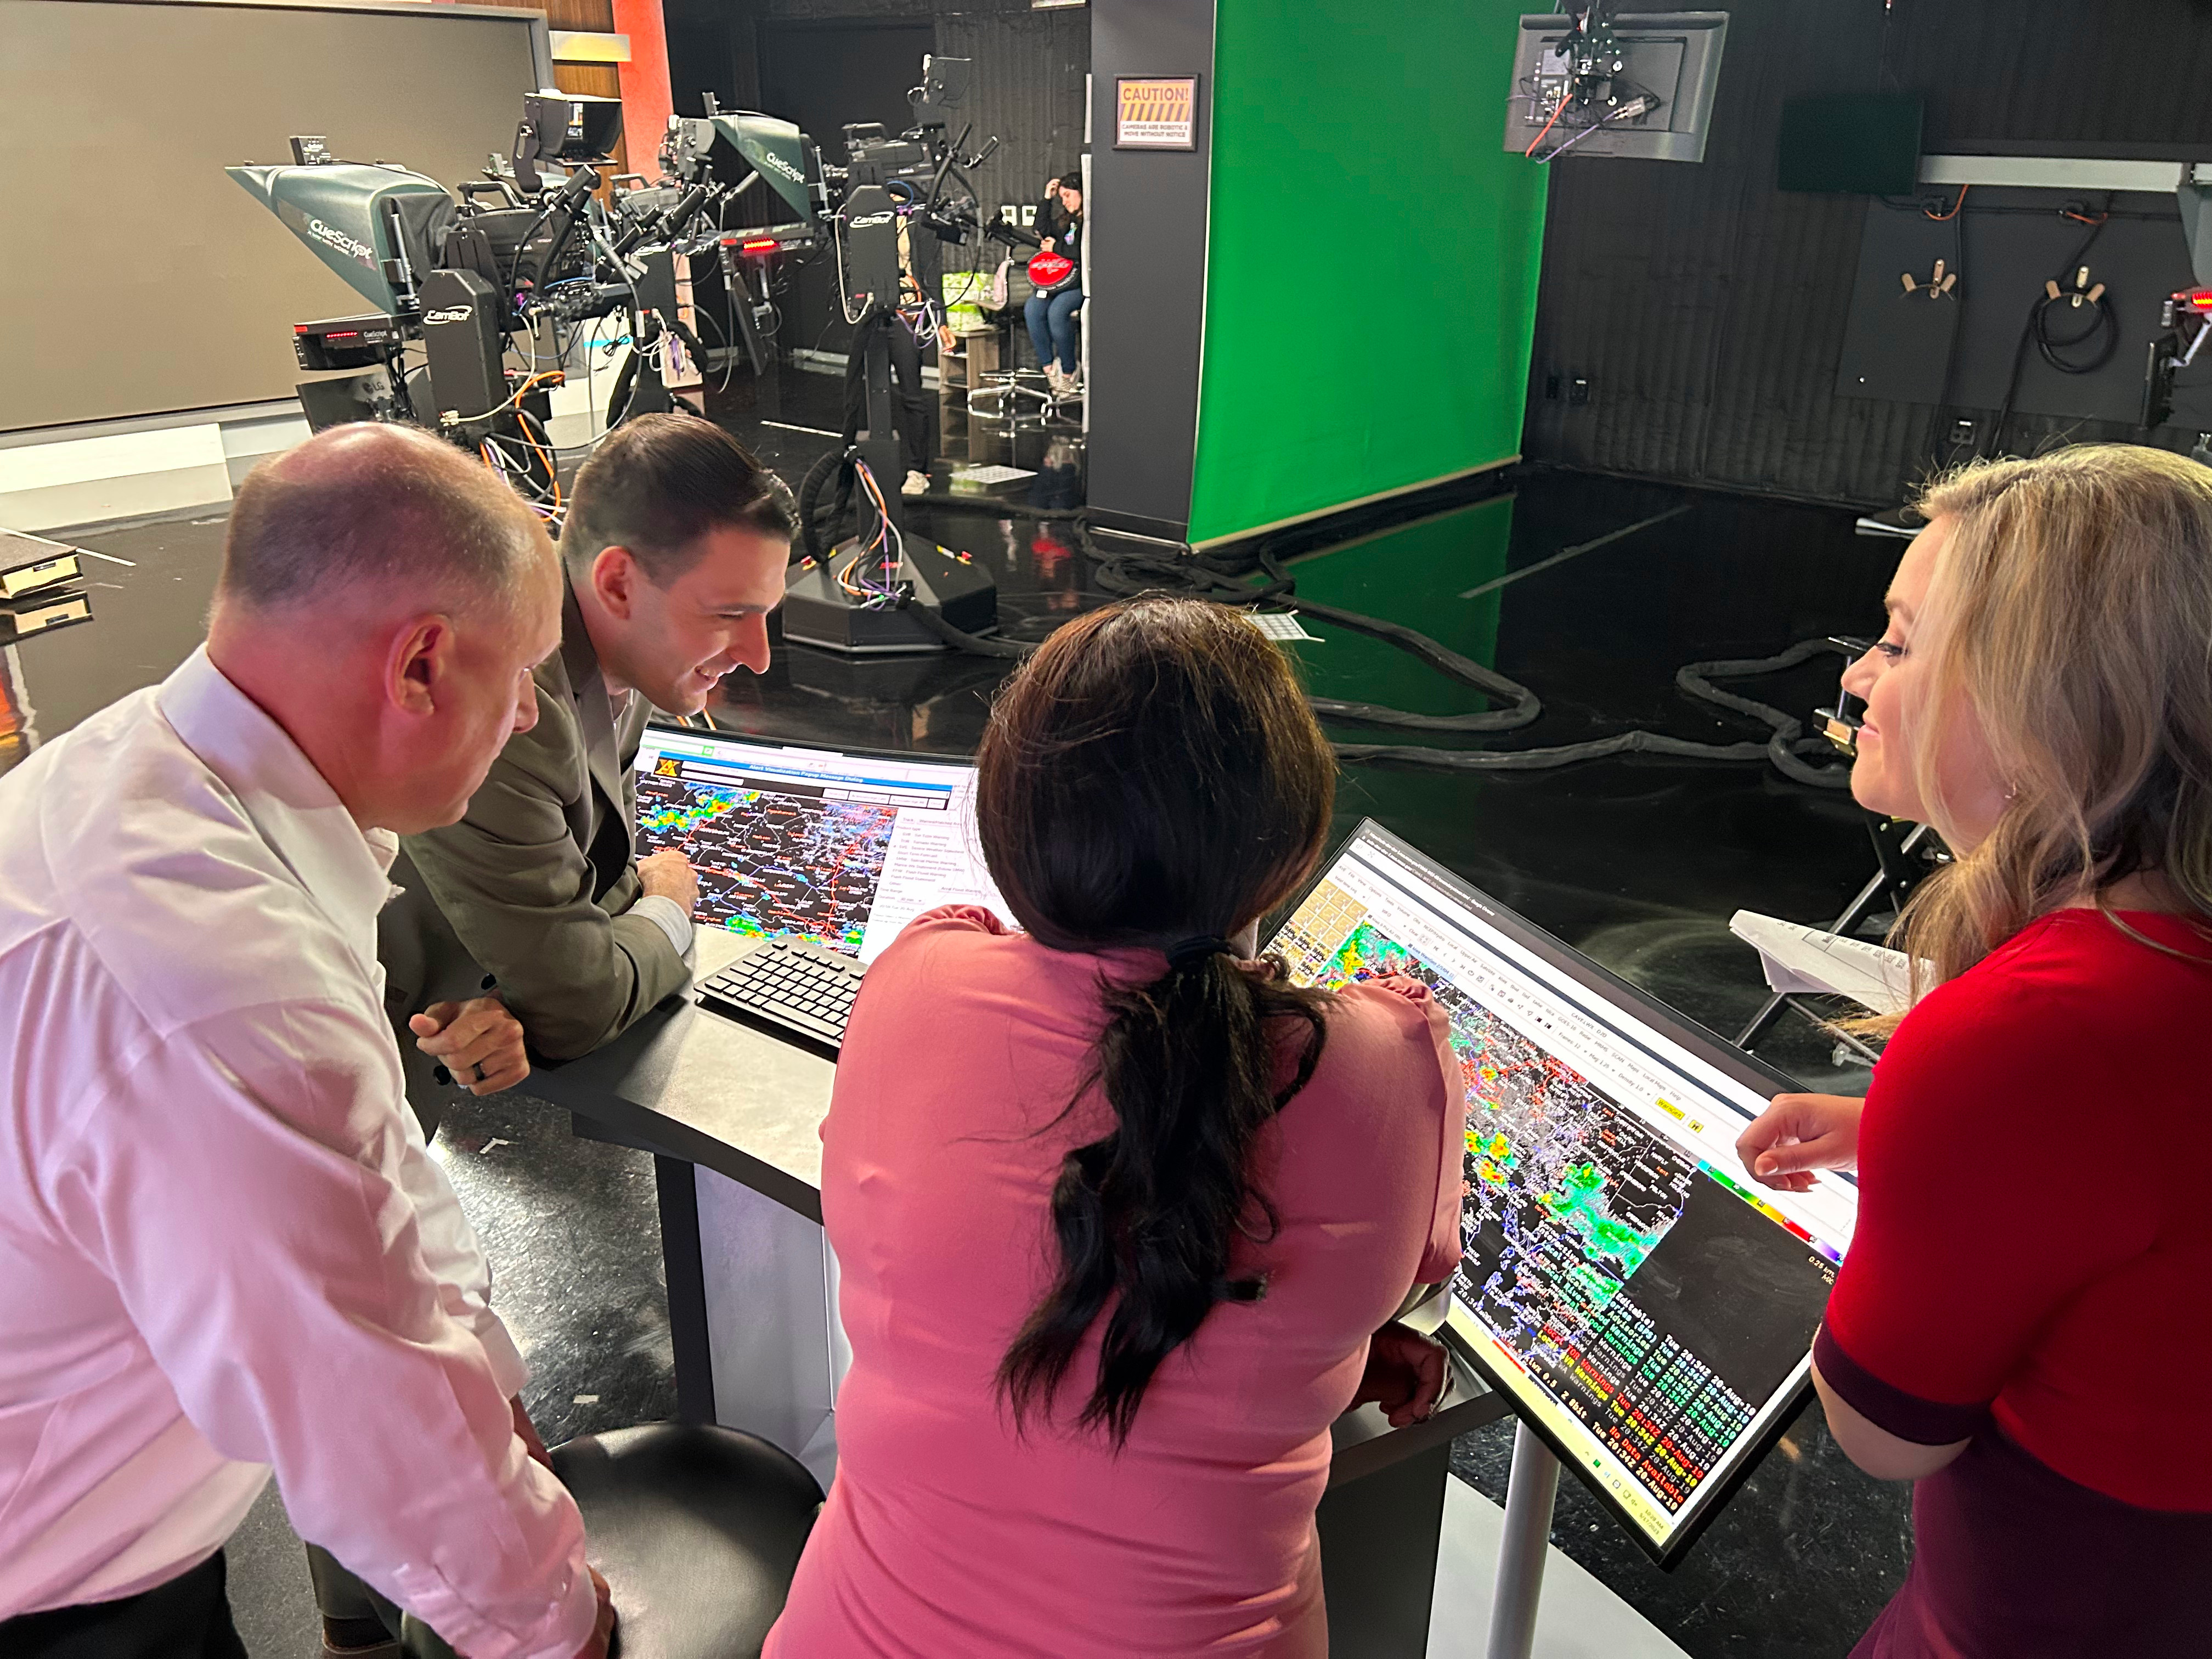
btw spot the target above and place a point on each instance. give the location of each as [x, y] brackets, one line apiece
[1028, 88]
[1705, 308]
[824, 63]
[826, 76]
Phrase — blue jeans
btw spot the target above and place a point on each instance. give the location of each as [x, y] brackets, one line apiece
[1052, 326]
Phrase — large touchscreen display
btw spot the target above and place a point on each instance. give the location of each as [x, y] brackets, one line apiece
[1647, 1307]
[812, 843]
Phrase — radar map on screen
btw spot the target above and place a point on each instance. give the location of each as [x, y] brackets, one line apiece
[1597, 1252]
[785, 864]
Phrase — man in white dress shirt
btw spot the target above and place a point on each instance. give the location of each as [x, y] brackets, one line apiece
[222, 1249]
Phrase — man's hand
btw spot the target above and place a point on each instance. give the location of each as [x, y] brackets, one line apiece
[670, 875]
[1798, 1134]
[603, 1631]
[1404, 1375]
[533, 1442]
[478, 1040]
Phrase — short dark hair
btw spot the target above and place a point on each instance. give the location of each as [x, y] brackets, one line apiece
[657, 484]
[387, 507]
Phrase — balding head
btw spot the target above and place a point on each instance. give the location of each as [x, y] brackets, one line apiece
[383, 599]
[389, 511]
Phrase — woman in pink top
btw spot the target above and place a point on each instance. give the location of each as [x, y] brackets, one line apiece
[1122, 1217]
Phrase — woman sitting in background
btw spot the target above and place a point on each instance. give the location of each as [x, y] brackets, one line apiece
[1050, 312]
[2023, 1324]
[1116, 1209]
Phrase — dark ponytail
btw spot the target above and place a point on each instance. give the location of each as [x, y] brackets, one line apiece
[1152, 777]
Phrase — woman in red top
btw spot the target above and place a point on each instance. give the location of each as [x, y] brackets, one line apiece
[2023, 1324]
[1116, 1210]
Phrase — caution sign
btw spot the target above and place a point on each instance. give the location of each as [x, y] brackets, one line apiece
[1156, 112]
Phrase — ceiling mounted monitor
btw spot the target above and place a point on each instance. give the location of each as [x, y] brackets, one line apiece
[1633, 85]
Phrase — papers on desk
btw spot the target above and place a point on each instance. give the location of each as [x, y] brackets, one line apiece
[1800, 958]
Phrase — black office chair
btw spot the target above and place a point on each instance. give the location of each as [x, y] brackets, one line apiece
[698, 1530]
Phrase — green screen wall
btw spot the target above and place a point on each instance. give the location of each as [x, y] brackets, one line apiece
[1372, 256]
[1420, 571]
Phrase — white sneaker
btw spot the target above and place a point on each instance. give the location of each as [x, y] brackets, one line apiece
[917, 483]
[1057, 377]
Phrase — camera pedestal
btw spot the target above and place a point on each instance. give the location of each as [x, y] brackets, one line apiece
[816, 608]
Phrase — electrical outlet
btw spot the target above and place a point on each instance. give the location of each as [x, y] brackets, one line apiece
[1578, 393]
[1552, 386]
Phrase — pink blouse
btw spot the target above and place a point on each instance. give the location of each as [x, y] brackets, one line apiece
[947, 1534]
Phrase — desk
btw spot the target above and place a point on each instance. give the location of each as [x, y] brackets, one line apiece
[732, 1115]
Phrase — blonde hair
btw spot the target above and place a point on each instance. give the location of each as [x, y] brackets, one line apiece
[2073, 605]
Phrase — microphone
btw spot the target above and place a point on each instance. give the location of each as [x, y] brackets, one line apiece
[666, 224]
[582, 183]
[688, 205]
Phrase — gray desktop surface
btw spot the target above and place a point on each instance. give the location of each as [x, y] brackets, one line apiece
[709, 1090]
[713, 1091]
[1362, 1441]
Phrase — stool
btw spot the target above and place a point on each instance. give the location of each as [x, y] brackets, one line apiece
[1005, 389]
[698, 1530]
[1057, 408]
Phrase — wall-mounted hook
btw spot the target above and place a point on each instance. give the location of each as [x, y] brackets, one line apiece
[1939, 284]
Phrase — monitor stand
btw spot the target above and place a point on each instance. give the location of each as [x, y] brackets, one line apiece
[1529, 1492]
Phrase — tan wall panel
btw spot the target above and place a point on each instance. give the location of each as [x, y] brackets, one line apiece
[592, 16]
[136, 278]
[601, 81]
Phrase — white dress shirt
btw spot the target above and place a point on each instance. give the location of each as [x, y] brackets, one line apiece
[222, 1246]
[665, 913]
[672, 919]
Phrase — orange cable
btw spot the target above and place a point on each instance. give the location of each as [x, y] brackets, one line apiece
[1942, 218]
[1539, 139]
[552, 472]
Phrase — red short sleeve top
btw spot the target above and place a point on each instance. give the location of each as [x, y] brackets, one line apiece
[2033, 1241]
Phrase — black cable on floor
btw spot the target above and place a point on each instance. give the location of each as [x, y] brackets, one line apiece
[1416, 757]
[975, 644]
[1226, 579]
[1790, 747]
[1523, 708]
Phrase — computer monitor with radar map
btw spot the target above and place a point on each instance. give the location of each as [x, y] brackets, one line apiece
[1648, 1308]
[841, 848]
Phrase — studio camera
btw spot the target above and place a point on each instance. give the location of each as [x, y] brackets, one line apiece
[458, 276]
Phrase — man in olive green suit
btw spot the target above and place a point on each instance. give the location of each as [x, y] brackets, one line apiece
[531, 928]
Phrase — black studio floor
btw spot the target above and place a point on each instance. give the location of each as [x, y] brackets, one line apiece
[1638, 862]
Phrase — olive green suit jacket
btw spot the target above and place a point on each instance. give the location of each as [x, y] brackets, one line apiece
[529, 891]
